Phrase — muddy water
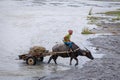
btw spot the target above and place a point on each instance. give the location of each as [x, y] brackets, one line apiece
[26, 23]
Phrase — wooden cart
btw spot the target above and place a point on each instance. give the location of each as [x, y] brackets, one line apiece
[31, 59]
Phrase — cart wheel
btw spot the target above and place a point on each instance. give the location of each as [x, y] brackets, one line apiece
[31, 61]
[41, 59]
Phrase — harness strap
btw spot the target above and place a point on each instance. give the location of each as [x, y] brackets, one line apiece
[54, 53]
[76, 49]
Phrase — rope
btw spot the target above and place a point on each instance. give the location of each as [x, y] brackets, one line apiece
[76, 49]
[54, 53]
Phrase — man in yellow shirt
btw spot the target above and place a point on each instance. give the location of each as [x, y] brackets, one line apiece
[67, 40]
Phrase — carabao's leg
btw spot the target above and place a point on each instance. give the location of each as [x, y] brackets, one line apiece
[76, 61]
[55, 58]
[50, 59]
[71, 60]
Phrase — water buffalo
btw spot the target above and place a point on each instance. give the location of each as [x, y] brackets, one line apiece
[72, 54]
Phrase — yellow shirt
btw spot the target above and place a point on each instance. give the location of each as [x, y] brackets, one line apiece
[67, 38]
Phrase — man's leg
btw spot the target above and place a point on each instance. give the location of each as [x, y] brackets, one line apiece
[70, 46]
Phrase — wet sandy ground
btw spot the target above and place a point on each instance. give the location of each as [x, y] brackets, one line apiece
[106, 68]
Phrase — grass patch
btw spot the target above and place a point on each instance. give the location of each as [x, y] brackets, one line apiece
[116, 19]
[86, 31]
[118, 9]
[92, 19]
[110, 16]
[116, 13]
[95, 20]
[90, 12]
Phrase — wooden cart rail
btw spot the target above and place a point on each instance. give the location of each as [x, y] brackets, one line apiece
[54, 53]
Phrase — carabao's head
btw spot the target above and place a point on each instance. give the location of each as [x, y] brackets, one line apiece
[88, 54]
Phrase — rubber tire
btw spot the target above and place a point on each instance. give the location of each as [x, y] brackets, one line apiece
[41, 59]
[31, 61]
